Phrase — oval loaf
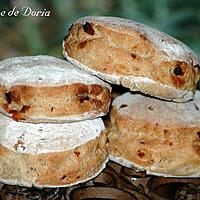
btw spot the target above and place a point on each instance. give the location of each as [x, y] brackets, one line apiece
[47, 89]
[51, 155]
[134, 55]
[160, 137]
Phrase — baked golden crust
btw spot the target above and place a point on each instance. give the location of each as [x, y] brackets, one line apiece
[154, 145]
[53, 169]
[54, 104]
[127, 51]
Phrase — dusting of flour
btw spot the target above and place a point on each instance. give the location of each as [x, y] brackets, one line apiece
[46, 138]
[43, 71]
[142, 108]
[173, 48]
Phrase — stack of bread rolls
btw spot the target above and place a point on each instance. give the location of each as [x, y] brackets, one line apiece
[158, 129]
[51, 131]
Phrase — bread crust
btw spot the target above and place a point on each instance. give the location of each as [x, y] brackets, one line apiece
[46, 89]
[59, 104]
[138, 57]
[166, 147]
[56, 169]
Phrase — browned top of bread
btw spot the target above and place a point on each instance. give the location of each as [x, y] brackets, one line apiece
[134, 55]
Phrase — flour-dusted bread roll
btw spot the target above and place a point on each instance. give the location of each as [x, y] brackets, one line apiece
[51, 155]
[160, 137]
[47, 89]
[134, 55]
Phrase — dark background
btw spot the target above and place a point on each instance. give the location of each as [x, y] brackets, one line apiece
[43, 35]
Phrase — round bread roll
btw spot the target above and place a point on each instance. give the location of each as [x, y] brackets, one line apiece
[160, 137]
[134, 55]
[47, 89]
[51, 155]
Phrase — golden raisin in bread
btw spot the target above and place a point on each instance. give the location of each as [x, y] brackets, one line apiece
[47, 89]
[51, 155]
[160, 137]
[134, 55]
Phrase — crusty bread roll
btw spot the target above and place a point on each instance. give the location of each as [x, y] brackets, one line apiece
[47, 89]
[51, 155]
[160, 137]
[134, 55]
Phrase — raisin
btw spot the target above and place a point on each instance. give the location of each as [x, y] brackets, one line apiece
[84, 98]
[142, 142]
[97, 103]
[16, 115]
[198, 133]
[96, 89]
[87, 27]
[6, 108]
[178, 71]
[24, 109]
[63, 177]
[8, 97]
[77, 153]
[82, 89]
[19, 142]
[166, 131]
[141, 154]
[133, 55]
[143, 37]
[81, 45]
[12, 97]
[150, 108]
